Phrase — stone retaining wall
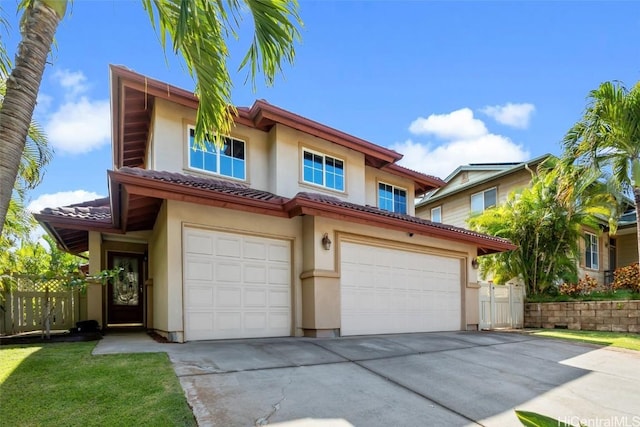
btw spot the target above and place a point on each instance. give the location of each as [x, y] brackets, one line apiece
[615, 316]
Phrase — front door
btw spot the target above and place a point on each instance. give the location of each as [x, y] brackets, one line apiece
[125, 301]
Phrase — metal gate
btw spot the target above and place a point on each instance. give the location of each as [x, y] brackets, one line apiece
[501, 306]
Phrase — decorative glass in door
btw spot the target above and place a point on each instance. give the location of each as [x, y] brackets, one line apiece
[126, 283]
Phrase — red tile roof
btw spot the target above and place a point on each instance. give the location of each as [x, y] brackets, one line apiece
[95, 210]
[156, 185]
[329, 200]
[205, 183]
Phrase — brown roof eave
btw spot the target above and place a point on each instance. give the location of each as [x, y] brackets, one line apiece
[298, 206]
[173, 191]
[262, 111]
[423, 182]
[75, 223]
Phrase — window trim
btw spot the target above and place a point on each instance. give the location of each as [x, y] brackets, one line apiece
[439, 209]
[589, 244]
[190, 128]
[393, 189]
[484, 208]
[324, 170]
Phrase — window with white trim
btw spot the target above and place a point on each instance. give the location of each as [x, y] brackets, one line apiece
[484, 200]
[392, 198]
[227, 160]
[591, 251]
[322, 170]
[436, 214]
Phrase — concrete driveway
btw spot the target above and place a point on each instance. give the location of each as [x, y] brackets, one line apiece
[431, 379]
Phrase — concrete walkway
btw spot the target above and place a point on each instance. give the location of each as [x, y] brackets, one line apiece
[449, 378]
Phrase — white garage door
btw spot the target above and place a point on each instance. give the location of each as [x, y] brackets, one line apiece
[394, 291]
[235, 286]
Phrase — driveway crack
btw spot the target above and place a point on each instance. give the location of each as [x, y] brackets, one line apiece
[263, 421]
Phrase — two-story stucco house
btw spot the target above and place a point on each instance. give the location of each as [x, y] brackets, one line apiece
[473, 188]
[292, 228]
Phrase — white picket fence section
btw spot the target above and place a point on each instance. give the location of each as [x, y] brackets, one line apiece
[24, 307]
[501, 306]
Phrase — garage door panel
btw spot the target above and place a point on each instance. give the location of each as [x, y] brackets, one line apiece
[198, 269]
[255, 273]
[228, 247]
[228, 272]
[199, 296]
[279, 298]
[255, 250]
[279, 275]
[226, 297]
[386, 290]
[242, 289]
[255, 298]
[279, 253]
[198, 244]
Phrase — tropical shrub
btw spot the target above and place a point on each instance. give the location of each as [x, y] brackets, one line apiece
[627, 277]
[546, 222]
[584, 286]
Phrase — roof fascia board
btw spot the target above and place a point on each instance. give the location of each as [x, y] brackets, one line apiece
[470, 185]
[298, 206]
[75, 223]
[172, 191]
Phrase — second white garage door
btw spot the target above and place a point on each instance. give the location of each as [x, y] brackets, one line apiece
[386, 290]
[235, 286]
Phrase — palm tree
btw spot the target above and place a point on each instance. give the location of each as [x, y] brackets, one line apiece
[607, 137]
[197, 30]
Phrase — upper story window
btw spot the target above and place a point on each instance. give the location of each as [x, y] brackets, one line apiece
[228, 160]
[484, 200]
[436, 214]
[323, 170]
[392, 198]
[591, 251]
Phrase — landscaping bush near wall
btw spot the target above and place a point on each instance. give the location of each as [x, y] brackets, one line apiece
[615, 316]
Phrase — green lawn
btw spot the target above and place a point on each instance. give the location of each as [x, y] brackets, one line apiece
[63, 384]
[614, 339]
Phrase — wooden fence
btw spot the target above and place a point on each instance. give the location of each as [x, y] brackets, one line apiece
[23, 307]
[501, 306]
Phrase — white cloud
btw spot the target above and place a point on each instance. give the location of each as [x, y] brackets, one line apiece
[74, 82]
[63, 198]
[514, 115]
[467, 140]
[79, 126]
[455, 125]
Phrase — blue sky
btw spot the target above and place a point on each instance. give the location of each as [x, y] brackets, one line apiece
[445, 83]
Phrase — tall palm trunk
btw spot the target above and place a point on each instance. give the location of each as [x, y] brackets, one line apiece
[38, 27]
[636, 194]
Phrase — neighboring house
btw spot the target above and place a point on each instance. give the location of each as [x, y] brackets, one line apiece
[473, 188]
[292, 228]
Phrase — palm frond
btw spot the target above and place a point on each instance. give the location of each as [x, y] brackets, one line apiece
[198, 30]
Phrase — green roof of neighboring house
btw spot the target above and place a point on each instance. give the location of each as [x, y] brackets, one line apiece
[496, 170]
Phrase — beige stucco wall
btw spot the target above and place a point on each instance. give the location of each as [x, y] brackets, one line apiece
[627, 248]
[93, 307]
[374, 176]
[603, 256]
[170, 145]
[456, 208]
[158, 271]
[274, 158]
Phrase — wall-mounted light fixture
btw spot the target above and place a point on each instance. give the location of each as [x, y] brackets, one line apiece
[475, 263]
[326, 242]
